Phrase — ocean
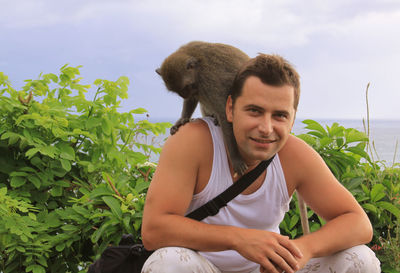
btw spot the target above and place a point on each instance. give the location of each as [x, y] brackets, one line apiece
[384, 135]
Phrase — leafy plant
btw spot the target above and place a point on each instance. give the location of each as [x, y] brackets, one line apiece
[374, 185]
[73, 177]
[341, 148]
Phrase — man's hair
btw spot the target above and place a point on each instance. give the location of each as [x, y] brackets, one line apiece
[270, 69]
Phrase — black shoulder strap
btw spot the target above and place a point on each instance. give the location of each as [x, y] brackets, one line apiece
[213, 206]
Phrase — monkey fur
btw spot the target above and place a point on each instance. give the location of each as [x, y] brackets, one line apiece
[202, 72]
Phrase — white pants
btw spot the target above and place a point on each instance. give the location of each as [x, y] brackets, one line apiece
[358, 259]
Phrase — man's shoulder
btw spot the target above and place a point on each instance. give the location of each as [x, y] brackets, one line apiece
[196, 129]
[191, 139]
[296, 155]
[294, 146]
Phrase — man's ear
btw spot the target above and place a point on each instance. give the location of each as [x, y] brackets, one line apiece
[229, 109]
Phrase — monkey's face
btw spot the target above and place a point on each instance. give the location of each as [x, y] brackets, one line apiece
[179, 73]
[183, 86]
[262, 118]
[188, 88]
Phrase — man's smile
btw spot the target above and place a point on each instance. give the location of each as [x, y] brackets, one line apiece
[263, 140]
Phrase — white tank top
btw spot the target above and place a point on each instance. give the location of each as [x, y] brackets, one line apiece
[263, 209]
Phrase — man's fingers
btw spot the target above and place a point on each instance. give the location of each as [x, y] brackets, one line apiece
[289, 245]
[268, 267]
[278, 260]
[286, 260]
[283, 260]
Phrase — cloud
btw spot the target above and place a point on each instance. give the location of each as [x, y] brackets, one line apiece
[282, 24]
[338, 46]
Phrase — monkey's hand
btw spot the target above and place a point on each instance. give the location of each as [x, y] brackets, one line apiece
[178, 124]
[216, 123]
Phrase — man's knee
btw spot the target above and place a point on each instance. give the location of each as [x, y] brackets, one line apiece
[363, 256]
[359, 259]
[176, 260]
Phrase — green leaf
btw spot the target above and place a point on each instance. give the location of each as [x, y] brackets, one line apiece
[370, 207]
[50, 151]
[314, 226]
[62, 183]
[138, 111]
[66, 151]
[93, 122]
[20, 249]
[106, 126]
[53, 220]
[31, 152]
[358, 151]
[310, 140]
[377, 192]
[17, 181]
[352, 135]
[335, 130]
[127, 226]
[365, 189]
[18, 174]
[27, 169]
[339, 142]
[60, 247]
[35, 269]
[3, 191]
[70, 228]
[315, 133]
[390, 207]
[13, 139]
[325, 141]
[56, 191]
[53, 77]
[100, 191]
[114, 205]
[65, 164]
[32, 216]
[24, 238]
[42, 260]
[141, 186]
[313, 125]
[91, 167]
[35, 181]
[293, 221]
[81, 210]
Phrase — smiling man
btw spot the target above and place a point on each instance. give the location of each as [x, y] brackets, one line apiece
[244, 236]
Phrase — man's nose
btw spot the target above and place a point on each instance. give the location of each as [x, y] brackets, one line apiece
[265, 127]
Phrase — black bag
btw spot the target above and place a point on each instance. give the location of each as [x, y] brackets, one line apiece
[125, 258]
[129, 257]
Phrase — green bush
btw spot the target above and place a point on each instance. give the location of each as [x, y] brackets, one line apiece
[375, 186]
[73, 176]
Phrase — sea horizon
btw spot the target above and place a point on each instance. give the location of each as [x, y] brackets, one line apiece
[384, 134]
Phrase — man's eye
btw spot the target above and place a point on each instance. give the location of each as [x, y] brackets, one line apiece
[254, 110]
[281, 115]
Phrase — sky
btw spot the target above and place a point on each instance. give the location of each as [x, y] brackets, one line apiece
[338, 47]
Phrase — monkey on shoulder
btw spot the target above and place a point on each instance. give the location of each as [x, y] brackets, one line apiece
[202, 72]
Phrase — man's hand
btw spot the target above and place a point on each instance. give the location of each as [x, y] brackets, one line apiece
[273, 252]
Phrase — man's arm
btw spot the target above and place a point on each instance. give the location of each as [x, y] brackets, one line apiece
[347, 224]
[185, 160]
[182, 162]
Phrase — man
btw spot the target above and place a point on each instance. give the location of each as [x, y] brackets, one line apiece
[244, 236]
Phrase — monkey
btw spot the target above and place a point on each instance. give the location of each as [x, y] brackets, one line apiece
[202, 72]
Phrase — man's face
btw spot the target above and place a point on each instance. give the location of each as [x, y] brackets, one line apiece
[262, 119]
